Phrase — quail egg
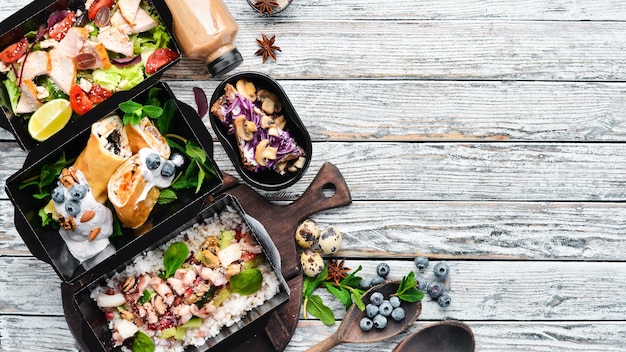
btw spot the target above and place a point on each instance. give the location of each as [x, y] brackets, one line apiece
[312, 263]
[307, 234]
[330, 240]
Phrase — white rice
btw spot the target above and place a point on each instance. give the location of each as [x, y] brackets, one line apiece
[231, 311]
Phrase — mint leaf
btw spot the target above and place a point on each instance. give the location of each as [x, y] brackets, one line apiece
[317, 308]
[246, 282]
[131, 107]
[165, 120]
[200, 178]
[194, 151]
[152, 111]
[412, 295]
[358, 300]
[167, 196]
[341, 293]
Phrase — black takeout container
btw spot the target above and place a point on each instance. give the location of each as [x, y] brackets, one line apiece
[86, 321]
[28, 19]
[97, 335]
[267, 180]
[46, 242]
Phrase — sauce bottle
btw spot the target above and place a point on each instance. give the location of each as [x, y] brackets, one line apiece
[206, 30]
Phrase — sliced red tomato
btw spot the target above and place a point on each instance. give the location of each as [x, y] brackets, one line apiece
[14, 51]
[59, 30]
[97, 5]
[98, 94]
[247, 256]
[79, 101]
[159, 58]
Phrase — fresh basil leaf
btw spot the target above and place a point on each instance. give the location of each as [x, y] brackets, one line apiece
[246, 282]
[167, 196]
[317, 308]
[142, 343]
[174, 257]
[152, 111]
[341, 294]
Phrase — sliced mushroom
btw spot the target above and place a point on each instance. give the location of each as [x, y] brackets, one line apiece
[247, 89]
[270, 102]
[267, 121]
[300, 162]
[244, 129]
[263, 152]
[281, 122]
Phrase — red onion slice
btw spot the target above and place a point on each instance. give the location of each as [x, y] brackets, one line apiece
[126, 61]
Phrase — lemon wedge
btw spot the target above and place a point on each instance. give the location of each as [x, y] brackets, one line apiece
[49, 119]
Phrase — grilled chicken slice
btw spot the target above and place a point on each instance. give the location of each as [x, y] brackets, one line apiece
[73, 41]
[115, 40]
[63, 72]
[129, 9]
[28, 100]
[143, 22]
[37, 63]
[100, 52]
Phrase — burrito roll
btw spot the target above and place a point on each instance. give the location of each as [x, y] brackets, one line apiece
[146, 135]
[135, 186]
[107, 148]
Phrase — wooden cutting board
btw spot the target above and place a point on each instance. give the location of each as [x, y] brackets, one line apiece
[327, 190]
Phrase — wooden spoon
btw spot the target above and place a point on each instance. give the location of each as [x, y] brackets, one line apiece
[350, 331]
[447, 336]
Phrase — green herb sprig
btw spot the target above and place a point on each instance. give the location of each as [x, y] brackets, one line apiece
[134, 112]
[407, 290]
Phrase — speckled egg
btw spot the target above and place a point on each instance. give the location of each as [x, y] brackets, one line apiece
[330, 240]
[307, 234]
[312, 263]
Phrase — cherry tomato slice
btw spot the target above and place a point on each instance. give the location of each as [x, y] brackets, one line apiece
[159, 58]
[247, 256]
[58, 31]
[79, 101]
[97, 5]
[14, 51]
[98, 94]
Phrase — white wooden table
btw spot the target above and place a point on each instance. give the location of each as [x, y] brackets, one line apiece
[489, 134]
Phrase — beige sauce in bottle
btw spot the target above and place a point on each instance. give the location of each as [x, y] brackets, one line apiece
[206, 31]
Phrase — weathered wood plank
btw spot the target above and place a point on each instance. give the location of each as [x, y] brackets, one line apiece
[559, 10]
[450, 111]
[439, 50]
[451, 171]
[454, 230]
[18, 333]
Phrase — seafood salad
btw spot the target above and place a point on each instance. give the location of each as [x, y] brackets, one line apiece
[188, 289]
[84, 55]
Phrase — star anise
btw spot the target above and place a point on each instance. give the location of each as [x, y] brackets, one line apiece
[336, 270]
[268, 49]
[265, 6]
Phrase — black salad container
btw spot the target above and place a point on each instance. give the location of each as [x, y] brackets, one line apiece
[45, 242]
[267, 180]
[29, 18]
[96, 334]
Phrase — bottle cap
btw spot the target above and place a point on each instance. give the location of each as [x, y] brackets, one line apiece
[225, 63]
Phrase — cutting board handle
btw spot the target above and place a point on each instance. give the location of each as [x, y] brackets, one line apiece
[328, 190]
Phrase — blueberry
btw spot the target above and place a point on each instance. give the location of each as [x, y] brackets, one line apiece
[421, 262]
[385, 308]
[177, 159]
[421, 282]
[371, 310]
[72, 207]
[78, 191]
[58, 195]
[376, 280]
[444, 300]
[377, 298]
[397, 314]
[395, 301]
[365, 283]
[380, 322]
[441, 270]
[382, 270]
[153, 161]
[435, 289]
[366, 324]
[168, 169]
